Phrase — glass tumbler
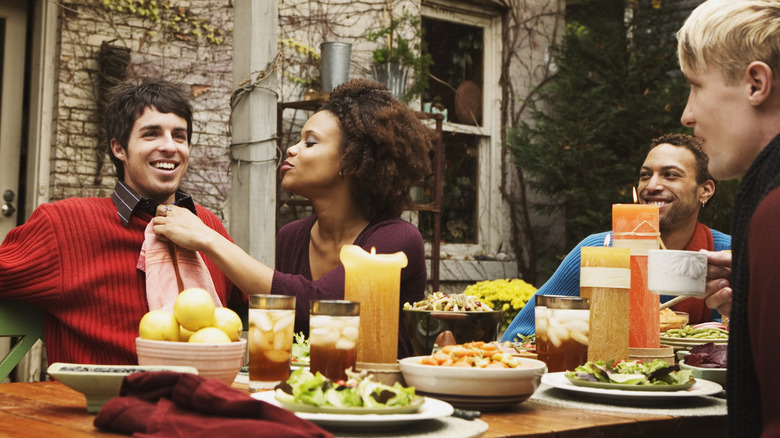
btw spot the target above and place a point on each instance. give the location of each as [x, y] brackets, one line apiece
[271, 324]
[333, 336]
[562, 328]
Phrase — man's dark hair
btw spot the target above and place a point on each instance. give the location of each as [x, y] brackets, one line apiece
[693, 144]
[128, 101]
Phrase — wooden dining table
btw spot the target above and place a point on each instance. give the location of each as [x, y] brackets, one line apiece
[51, 409]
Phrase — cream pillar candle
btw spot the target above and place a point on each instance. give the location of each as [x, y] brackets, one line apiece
[605, 277]
[374, 280]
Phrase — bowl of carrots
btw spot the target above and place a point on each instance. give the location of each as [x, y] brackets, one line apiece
[474, 375]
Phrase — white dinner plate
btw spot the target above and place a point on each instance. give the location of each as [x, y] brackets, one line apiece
[411, 408]
[689, 342]
[700, 388]
[431, 409]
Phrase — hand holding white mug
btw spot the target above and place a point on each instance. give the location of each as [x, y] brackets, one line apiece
[718, 293]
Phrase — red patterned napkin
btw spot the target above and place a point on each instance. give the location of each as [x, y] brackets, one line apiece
[166, 404]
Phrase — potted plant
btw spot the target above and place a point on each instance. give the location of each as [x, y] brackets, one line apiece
[399, 52]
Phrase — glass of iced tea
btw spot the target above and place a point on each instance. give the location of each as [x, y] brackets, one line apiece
[271, 324]
[333, 336]
[562, 327]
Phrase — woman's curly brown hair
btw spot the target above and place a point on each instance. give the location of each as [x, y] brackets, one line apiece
[385, 147]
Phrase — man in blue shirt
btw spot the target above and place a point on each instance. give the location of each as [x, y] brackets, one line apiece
[674, 176]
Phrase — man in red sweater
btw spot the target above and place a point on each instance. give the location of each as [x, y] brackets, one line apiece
[77, 258]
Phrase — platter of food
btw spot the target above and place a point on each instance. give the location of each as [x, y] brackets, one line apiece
[360, 402]
[699, 388]
[300, 352]
[465, 318]
[687, 342]
[695, 335]
[474, 375]
[623, 387]
[429, 408]
[636, 375]
[411, 408]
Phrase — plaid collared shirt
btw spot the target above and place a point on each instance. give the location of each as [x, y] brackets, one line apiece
[127, 201]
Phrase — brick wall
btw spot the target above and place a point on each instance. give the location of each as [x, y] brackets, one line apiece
[80, 166]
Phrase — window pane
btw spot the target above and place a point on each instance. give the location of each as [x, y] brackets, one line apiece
[459, 191]
[457, 52]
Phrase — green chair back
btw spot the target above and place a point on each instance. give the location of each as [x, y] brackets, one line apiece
[20, 320]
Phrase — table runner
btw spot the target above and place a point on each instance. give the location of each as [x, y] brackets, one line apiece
[695, 406]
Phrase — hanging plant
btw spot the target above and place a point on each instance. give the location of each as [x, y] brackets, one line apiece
[395, 48]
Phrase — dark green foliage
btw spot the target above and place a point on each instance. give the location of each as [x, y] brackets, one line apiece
[718, 214]
[617, 86]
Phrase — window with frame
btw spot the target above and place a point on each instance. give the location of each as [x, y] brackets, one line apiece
[463, 86]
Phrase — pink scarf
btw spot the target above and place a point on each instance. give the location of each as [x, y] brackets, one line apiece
[162, 285]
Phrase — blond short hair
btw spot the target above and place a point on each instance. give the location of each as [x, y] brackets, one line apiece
[730, 34]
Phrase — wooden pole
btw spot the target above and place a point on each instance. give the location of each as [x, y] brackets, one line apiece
[252, 214]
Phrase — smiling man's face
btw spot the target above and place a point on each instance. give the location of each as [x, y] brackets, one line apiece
[157, 155]
[668, 179]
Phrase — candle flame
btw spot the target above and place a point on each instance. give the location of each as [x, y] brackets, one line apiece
[636, 199]
[606, 240]
[373, 250]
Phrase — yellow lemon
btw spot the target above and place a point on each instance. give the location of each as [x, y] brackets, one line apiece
[184, 334]
[210, 335]
[159, 325]
[194, 309]
[229, 322]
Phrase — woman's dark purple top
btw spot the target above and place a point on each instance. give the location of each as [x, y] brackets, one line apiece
[388, 236]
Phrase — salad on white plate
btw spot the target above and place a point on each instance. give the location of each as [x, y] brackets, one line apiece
[313, 392]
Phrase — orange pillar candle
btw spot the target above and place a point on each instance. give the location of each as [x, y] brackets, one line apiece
[605, 277]
[374, 280]
[635, 226]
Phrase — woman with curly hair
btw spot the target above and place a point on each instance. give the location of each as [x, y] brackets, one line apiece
[356, 161]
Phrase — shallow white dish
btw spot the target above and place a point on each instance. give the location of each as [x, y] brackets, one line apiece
[480, 389]
[430, 409]
[99, 383]
[700, 388]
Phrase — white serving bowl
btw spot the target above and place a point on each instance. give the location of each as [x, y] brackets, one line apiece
[99, 383]
[221, 361]
[484, 389]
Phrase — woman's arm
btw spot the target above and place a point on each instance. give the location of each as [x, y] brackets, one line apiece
[185, 229]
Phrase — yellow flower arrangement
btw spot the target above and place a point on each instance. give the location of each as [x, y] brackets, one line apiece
[503, 294]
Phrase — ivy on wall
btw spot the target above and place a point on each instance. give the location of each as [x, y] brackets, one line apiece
[179, 22]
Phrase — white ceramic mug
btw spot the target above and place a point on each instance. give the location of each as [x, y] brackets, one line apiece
[675, 272]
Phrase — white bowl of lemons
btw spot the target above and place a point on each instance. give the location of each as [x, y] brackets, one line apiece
[196, 334]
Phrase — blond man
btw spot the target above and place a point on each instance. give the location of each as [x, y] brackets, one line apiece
[730, 52]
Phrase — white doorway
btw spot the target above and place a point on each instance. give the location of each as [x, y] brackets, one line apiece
[13, 37]
[13, 53]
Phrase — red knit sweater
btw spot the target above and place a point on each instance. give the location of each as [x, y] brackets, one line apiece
[76, 260]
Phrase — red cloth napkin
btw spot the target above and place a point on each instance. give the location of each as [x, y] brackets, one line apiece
[163, 404]
[161, 285]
